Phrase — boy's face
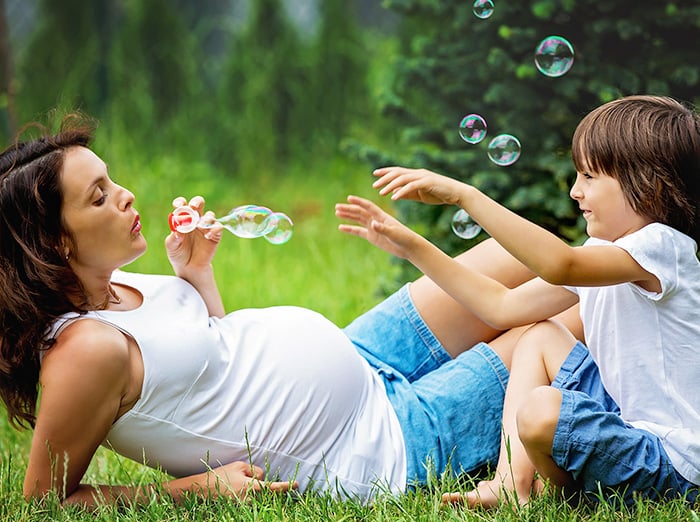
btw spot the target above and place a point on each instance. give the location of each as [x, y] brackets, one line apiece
[605, 208]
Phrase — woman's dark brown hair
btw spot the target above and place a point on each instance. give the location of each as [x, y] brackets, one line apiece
[651, 145]
[35, 277]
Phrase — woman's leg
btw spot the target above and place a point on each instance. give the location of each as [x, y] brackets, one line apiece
[455, 326]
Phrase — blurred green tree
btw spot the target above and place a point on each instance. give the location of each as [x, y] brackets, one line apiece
[64, 63]
[155, 76]
[263, 92]
[453, 63]
[340, 73]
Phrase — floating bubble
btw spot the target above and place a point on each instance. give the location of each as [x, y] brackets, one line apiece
[249, 221]
[464, 226]
[472, 128]
[483, 8]
[554, 56]
[504, 150]
[282, 231]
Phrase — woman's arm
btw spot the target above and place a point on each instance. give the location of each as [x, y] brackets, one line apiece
[544, 253]
[83, 379]
[191, 257]
[237, 479]
[89, 378]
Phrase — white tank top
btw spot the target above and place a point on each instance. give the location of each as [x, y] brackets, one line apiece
[282, 387]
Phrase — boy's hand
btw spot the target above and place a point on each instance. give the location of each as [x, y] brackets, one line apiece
[377, 227]
[418, 185]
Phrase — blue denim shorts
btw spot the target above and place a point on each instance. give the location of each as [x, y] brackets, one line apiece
[449, 409]
[599, 449]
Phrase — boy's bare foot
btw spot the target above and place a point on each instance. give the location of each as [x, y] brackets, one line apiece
[491, 493]
[486, 494]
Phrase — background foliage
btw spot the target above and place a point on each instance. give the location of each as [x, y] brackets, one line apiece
[248, 89]
[452, 63]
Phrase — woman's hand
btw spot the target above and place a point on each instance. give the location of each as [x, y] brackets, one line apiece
[240, 479]
[237, 480]
[193, 252]
[418, 185]
[377, 227]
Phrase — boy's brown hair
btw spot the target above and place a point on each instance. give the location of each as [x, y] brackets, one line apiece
[651, 145]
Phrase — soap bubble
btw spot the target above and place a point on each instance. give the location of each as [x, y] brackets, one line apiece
[251, 221]
[282, 228]
[504, 150]
[472, 128]
[483, 8]
[464, 226]
[554, 56]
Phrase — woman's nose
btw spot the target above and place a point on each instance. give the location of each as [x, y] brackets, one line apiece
[127, 198]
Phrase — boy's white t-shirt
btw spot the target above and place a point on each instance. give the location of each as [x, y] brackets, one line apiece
[647, 345]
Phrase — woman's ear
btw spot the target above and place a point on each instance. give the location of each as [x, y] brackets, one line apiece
[64, 248]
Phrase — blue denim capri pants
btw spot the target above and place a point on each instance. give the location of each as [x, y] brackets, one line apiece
[601, 451]
[449, 409]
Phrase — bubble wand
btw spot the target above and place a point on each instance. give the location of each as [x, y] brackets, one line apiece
[247, 221]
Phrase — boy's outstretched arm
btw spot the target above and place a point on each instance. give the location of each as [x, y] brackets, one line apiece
[494, 303]
[541, 251]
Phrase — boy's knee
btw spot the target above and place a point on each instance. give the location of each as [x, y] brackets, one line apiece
[538, 416]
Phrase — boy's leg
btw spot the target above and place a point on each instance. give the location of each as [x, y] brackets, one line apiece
[574, 434]
[539, 354]
[537, 422]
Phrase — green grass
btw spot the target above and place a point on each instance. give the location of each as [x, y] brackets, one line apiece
[319, 268]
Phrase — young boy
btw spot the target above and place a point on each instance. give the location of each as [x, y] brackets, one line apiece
[622, 415]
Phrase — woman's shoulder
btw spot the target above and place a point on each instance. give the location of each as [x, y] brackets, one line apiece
[89, 343]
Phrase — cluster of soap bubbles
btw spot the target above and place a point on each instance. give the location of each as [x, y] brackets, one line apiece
[503, 149]
[247, 221]
[554, 56]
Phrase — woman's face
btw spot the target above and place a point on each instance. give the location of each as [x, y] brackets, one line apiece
[105, 228]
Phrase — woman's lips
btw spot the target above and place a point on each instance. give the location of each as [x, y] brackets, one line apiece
[136, 227]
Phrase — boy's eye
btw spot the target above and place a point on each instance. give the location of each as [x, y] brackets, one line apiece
[101, 199]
